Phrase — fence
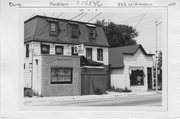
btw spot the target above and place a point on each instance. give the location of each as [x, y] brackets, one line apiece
[93, 79]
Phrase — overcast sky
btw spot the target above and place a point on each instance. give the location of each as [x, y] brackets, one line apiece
[141, 19]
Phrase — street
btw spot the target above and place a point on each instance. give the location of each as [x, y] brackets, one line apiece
[153, 100]
[143, 100]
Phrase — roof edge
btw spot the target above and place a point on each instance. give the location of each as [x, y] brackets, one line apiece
[97, 45]
[45, 17]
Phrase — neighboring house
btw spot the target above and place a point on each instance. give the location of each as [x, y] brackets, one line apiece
[131, 67]
[54, 65]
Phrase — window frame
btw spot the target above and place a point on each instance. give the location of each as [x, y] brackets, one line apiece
[48, 47]
[135, 82]
[27, 50]
[99, 54]
[62, 82]
[57, 46]
[55, 31]
[74, 30]
[92, 30]
[90, 49]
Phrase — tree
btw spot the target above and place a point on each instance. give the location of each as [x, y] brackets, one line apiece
[159, 66]
[118, 35]
[159, 60]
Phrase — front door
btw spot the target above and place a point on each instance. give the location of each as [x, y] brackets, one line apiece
[149, 78]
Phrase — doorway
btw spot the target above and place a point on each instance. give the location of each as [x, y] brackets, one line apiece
[149, 78]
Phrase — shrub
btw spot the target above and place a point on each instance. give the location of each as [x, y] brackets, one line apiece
[28, 92]
[119, 89]
[126, 90]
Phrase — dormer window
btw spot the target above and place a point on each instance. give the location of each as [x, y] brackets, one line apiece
[74, 31]
[53, 28]
[92, 33]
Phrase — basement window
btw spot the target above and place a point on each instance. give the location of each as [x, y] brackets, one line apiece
[61, 75]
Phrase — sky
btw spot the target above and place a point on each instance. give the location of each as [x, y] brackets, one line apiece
[143, 20]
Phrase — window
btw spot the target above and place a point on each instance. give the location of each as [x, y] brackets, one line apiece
[100, 54]
[53, 29]
[89, 53]
[92, 33]
[61, 75]
[137, 77]
[27, 50]
[59, 50]
[74, 31]
[44, 49]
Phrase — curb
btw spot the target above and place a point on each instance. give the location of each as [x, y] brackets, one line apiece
[73, 100]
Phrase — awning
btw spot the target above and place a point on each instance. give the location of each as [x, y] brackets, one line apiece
[87, 62]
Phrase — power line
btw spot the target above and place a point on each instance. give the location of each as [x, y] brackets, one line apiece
[141, 19]
[77, 15]
[95, 16]
[60, 14]
[82, 16]
[131, 18]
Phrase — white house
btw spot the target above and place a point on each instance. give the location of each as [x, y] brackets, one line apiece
[52, 65]
[131, 67]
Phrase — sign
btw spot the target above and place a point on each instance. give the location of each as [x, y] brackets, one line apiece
[79, 48]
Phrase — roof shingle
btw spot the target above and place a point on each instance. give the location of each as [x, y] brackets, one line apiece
[116, 54]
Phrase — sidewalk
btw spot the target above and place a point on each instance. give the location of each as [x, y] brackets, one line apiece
[70, 99]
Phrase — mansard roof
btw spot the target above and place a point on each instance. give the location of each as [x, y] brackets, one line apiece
[37, 29]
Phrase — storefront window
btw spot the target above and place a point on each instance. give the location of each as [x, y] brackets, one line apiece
[61, 75]
[137, 77]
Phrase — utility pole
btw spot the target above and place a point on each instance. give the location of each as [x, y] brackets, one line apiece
[156, 56]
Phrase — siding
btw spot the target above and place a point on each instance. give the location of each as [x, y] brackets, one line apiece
[117, 78]
[36, 83]
[28, 67]
[94, 54]
[36, 46]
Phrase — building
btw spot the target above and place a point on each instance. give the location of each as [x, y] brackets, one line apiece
[60, 54]
[131, 67]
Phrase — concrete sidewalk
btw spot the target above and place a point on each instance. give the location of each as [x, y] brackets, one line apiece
[66, 99]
